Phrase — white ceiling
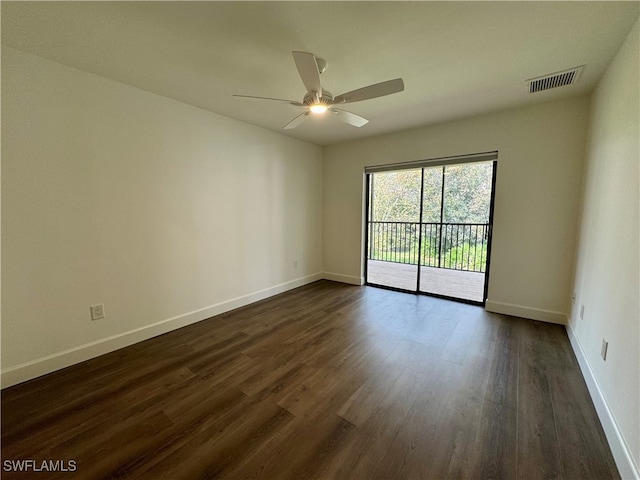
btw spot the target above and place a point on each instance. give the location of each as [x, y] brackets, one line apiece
[456, 58]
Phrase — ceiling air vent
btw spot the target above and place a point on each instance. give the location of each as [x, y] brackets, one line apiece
[553, 80]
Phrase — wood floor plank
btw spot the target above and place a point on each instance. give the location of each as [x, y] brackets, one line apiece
[582, 446]
[411, 452]
[327, 381]
[364, 401]
[453, 452]
[538, 448]
[365, 454]
[496, 439]
[300, 450]
[458, 343]
[217, 449]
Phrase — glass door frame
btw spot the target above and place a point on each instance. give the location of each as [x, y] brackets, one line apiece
[369, 187]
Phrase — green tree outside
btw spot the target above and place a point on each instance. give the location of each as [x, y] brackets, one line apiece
[395, 216]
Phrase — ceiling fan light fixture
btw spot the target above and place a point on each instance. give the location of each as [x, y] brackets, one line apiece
[318, 108]
[318, 100]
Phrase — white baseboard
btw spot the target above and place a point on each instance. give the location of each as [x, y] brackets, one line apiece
[526, 312]
[338, 277]
[621, 454]
[42, 366]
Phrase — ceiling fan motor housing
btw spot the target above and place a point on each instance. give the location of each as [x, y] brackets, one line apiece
[325, 99]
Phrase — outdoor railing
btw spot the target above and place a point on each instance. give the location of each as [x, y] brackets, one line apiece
[458, 246]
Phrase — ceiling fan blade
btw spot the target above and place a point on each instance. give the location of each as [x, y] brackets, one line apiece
[296, 121]
[292, 102]
[308, 70]
[348, 117]
[372, 91]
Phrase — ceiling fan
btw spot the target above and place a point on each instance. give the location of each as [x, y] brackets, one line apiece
[319, 101]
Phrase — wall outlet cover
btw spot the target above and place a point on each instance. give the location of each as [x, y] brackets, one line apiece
[97, 311]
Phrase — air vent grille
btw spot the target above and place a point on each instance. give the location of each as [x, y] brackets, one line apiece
[554, 80]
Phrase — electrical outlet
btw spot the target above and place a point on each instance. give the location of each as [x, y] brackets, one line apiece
[97, 311]
[603, 350]
[581, 312]
[295, 264]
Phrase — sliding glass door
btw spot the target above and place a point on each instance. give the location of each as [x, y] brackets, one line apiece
[429, 228]
[394, 229]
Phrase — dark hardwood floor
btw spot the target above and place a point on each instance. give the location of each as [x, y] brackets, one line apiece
[326, 381]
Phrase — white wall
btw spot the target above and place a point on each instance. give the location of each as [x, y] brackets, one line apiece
[608, 262]
[165, 213]
[540, 160]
